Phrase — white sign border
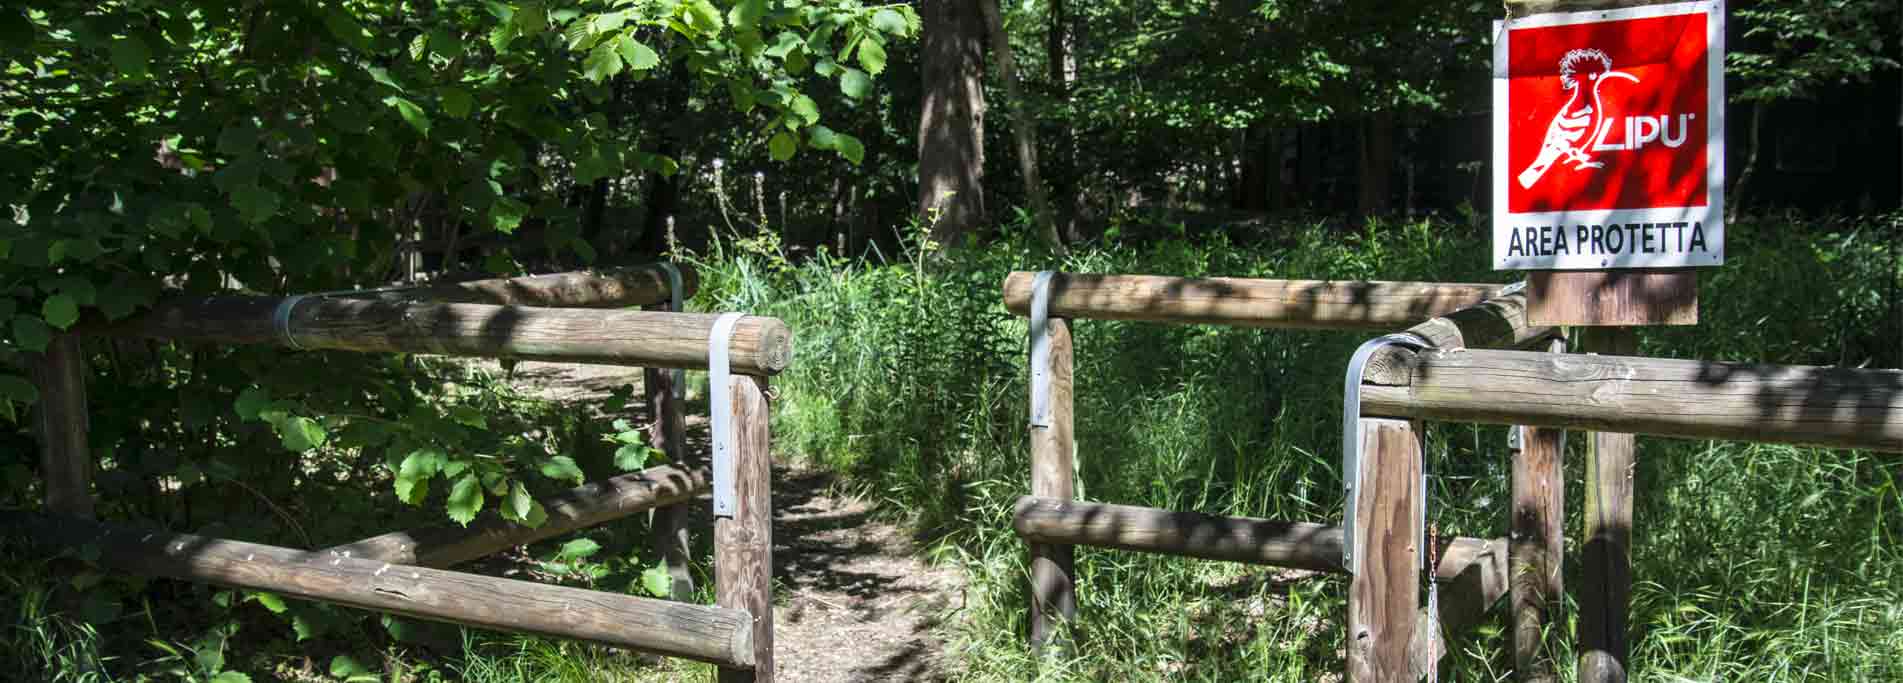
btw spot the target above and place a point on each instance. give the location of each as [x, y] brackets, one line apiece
[1713, 211]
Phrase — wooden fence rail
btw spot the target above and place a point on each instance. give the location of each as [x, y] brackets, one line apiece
[607, 288]
[1833, 407]
[761, 345]
[1245, 302]
[712, 634]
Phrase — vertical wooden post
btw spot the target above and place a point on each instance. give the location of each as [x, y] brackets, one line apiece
[1606, 587]
[670, 534]
[1053, 592]
[1385, 593]
[743, 543]
[65, 458]
[1535, 551]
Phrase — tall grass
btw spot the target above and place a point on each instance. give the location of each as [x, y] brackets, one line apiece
[1753, 562]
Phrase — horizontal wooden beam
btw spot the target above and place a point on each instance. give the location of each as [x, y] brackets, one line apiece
[711, 634]
[577, 508]
[1298, 545]
[1299, 304]
[761, 345]
[1835, 407]
[607, 288]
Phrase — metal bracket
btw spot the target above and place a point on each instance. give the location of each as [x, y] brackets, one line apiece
[1514, 288]
[1041, 349]
[1351, 437]
[281, 320]
[674, 291]
[720, 410]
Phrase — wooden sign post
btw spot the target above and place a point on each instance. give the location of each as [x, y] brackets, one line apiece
[1608, 187]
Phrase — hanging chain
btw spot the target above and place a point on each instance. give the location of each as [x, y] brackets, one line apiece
[1433, 602]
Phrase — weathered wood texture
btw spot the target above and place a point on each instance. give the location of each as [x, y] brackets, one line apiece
[1836, 407]
[712, 634]
[743, 543]
[1613, 297]
[1536, 552]
[1053, 565]
[761, 346]
[607, 288]
[1296, 545]
[1385, 593]
[1472, 577]
[577, 508]
[1497, 323]
[1605, 586]
[1301, 304]
[66, 461]
[668, 530]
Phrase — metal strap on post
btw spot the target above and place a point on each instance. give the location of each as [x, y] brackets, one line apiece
[674, 305]
[1041, 349]
[1351, 437]
[720, 409]
[281, 320]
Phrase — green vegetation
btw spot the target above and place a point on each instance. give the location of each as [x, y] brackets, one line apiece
[799, 152]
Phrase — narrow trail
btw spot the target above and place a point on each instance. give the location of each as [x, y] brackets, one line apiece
[853, 603]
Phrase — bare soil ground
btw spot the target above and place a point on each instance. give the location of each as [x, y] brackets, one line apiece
[854, 603]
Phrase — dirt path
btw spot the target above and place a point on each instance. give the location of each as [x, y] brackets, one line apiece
[852, 601]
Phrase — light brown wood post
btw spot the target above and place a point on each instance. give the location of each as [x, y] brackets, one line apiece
[1385, 593]
[1537, 546]
[1606, 587]
[743, 543]
[671, 537]
[1053, 589]
[65, 458]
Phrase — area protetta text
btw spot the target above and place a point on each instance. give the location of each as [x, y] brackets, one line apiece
[1609, 240]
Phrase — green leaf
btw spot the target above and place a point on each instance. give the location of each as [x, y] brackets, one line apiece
[410, 112]
[806, 109]
[578, 549]
[131, 57]
[382, 75]
[631, 457]
[31, 333]
[517, 503]
[563, 468]
[229, 677]
[639, 57]
[781, 146]
[657, 582]
[872, 55]
[465, 499]
[17, 389]
[506, 214]
[890, 21]
[250, 402]
[746, 14]
[60, 310]
[855, 83]
[271, 601]
[602, 63]
[457, 102]
[784, 44]
[301, 434]
[81, 289]
[344, 666]
[703, 16]
[255, 204]
[413, 475]
[850, 148]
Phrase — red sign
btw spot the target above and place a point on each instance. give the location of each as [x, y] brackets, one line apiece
[1608, 139]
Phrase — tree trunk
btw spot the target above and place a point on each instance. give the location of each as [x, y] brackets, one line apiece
[1377, 160]
[1023, 127]
[1734, 200]
[1061, 52]
[664, 191]
[951, 147]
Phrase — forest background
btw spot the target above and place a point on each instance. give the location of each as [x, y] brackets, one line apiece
[869, 173]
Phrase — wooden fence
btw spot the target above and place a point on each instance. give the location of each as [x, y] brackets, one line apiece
[1481, 362]
[538, 317]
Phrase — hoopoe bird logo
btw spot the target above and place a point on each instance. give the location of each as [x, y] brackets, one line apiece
[1566, 136]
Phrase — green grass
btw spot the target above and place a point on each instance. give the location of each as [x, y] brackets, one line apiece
[1753, 562]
